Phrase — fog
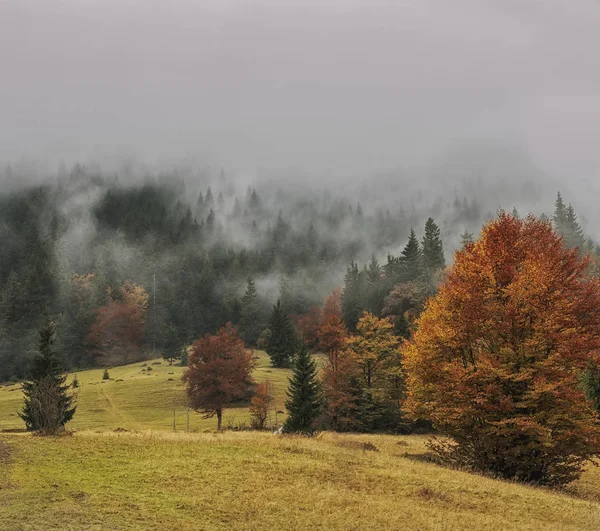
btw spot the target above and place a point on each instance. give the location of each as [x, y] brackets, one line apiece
[333, 89]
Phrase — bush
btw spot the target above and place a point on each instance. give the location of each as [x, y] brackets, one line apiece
[105, 375]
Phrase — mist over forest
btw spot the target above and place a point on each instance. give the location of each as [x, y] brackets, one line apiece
[165, 171]
[79, 240]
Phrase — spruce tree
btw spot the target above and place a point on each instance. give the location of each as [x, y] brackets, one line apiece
[411, 258]
[573, 233]
[304, 395]
[352, 296]
[466, 238]
[560, 214]
[282, 342]
[250, 325]
[433, 248]
[48, 405]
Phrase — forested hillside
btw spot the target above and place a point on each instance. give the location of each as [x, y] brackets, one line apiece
[126, 267]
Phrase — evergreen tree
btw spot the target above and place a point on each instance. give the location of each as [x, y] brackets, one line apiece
[352, 306]
[250, 325]
[560, 214]
[572, 232]
[209, 200]
[48, 405]
[411, 258]
[590, 380]
[466, 238]
[304, 395]
[433, 249]
[282, 342]
[173, 344]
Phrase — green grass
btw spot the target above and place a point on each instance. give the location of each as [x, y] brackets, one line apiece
[152, 478]
[136, 399]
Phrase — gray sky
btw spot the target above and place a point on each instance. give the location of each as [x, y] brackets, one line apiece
[329, 85]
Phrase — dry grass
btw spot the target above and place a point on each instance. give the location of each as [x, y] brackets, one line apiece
[245, 480]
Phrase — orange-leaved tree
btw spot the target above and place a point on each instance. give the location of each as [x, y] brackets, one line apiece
[341, 389]
[496, 358]
[219, 372]
[261, 404]
[117, 333]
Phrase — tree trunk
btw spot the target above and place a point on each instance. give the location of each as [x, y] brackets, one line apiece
[219, 418]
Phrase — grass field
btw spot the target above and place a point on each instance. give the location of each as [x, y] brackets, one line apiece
[136, 399]
[151, 478]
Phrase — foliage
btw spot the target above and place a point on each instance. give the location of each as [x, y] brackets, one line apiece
[496, 358]
[219, 372]
[304, 395]
[260, 405]
[105, 375]
[307, 326]
[118, 331]
[48, 405]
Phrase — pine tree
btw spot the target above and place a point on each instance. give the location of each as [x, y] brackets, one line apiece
[48, 405]
[411, 258]
[282, 342]
[304, 396]
[250, 325]
[433, 248]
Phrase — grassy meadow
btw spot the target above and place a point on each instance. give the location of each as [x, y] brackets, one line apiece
[136, 398]
[148, 477]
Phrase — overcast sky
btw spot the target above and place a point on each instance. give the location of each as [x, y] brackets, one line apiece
[353, 85]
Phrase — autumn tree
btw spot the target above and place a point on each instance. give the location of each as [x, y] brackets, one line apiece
[307, 326]
[261, 404]
[118, 331]
[304, 396]
[48, 403]
[340, 378]
[219, 372]
[376, 354]
[496, 360]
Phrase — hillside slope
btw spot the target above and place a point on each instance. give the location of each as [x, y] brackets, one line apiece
[138, 398]
[249, 480]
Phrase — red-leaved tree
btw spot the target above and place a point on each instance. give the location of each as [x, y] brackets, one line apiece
[219, 372]
[117, 333]
[496, 358]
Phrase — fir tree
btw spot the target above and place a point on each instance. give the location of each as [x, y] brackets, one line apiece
[48, 405]
[304, 396]
[250, 325]
[433, 249]
[282, 342]
[411, 258]
[590, 380]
